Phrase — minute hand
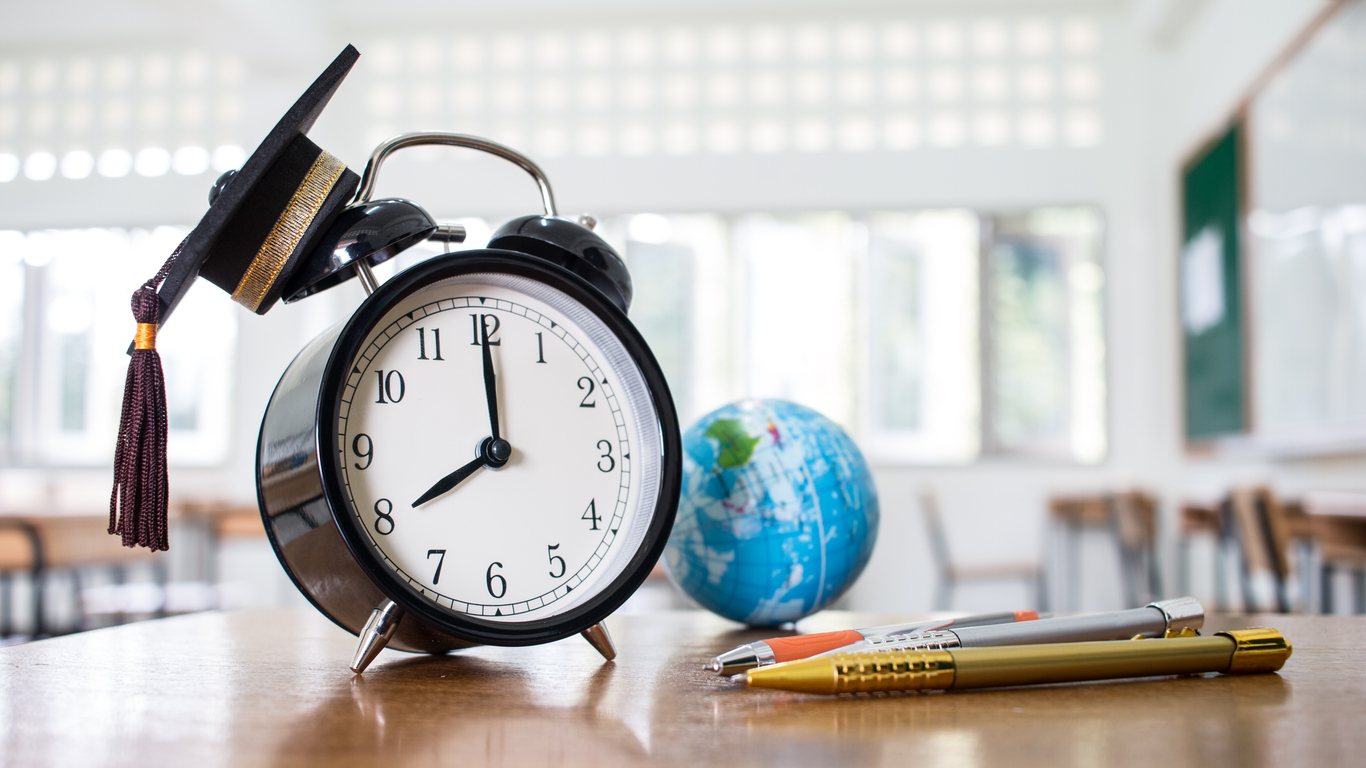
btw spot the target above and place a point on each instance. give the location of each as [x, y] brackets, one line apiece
[450, 481]
[491, 387]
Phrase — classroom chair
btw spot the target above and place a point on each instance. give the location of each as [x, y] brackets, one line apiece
[953, 573]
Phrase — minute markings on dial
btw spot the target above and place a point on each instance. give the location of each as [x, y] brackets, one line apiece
[610, 525]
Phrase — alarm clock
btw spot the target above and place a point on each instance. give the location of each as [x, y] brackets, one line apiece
[486, 452]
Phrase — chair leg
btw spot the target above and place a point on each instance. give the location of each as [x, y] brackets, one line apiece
[1128, 567]
[1221, 599]
[1041, 585]
[1359, 588]
[39, 626]
[159, 573]
[1073, 569]
[1250, 604]
[6, 628]
[943, 594]
[1326, 589]
[76, 592]
[1154, 575]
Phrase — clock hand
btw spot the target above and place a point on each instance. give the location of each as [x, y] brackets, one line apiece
[490, 387]
[453, 479]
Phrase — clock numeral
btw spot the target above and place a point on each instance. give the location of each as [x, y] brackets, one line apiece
[422, 344]
[437, 578]
[367, 453]
[551, 548]
[611, 462]
[384, 516]
[476, 321]
[386, 386]
[591, 514]
[584, 402]
[540, 348]
[490, 577]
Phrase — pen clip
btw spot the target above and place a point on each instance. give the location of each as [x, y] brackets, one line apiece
[1182, 632]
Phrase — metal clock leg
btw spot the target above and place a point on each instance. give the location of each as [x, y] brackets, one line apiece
[597, 636]
[376, 634]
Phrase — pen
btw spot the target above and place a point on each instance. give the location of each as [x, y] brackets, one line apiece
[774, 650]
[1154, 619]
[1236, 652]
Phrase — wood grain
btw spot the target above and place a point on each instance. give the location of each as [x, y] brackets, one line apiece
[271, 687]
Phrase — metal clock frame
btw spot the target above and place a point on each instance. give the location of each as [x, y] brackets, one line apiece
[348, 346]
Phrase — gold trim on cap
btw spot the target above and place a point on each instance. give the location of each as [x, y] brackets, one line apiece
[289, 229]
[1259, 649]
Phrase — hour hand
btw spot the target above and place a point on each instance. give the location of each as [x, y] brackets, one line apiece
[450, 481]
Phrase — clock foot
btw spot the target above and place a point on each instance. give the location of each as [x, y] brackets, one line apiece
[597, 636]
[376, 634]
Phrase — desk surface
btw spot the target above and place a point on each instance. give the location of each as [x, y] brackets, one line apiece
[271, 687]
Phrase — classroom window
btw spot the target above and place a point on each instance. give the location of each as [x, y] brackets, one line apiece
[935, 336]
[1044, 391]
[11, 334]
[61, 406]
[921, 381]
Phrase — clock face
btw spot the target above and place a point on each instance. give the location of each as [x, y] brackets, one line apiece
[498, 448]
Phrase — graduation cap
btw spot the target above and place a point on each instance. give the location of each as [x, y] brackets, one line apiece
[262, 220]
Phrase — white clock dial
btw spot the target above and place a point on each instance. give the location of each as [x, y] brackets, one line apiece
[564, 515]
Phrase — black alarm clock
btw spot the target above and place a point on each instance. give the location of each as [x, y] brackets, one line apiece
[486, 452]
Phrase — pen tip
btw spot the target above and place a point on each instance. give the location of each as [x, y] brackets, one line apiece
[713, 666]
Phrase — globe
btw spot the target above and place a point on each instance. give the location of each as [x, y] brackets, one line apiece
[777, 515]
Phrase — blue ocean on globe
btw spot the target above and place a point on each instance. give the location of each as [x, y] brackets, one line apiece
[777, 516]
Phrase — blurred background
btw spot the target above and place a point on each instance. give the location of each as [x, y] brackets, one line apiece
[975, 234]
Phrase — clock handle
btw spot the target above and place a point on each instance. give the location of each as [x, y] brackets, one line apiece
[367, 179]
[383, 621]
[597, 636]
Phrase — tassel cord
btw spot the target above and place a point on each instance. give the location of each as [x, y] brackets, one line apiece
[138, 505]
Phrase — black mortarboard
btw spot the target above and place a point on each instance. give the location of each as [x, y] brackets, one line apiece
[264, 217]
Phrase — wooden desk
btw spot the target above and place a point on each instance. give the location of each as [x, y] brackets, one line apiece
[271, 687]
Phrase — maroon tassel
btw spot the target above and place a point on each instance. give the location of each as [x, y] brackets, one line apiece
[140, 488]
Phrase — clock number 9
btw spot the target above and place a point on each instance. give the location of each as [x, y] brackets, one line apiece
[490, 577]
[368, 453]
[611, 462]
[384, 516]
[551, 548]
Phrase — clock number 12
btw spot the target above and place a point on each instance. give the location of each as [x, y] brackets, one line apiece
[481, 322]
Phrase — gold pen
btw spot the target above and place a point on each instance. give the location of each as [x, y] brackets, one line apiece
[1234, 652]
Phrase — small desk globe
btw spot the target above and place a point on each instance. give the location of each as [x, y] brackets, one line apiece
[778, 513]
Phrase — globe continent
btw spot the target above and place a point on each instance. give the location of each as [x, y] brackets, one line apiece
[777, 516]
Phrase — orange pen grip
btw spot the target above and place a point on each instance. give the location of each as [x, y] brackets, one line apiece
[1026, 616]
[804, 646]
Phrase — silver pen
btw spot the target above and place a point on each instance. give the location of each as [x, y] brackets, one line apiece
[775, 650]
[1153, 620]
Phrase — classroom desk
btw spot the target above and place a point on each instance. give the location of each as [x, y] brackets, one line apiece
[271, 687]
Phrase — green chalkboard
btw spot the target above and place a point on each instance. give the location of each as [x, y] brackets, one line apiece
[1211, 295]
